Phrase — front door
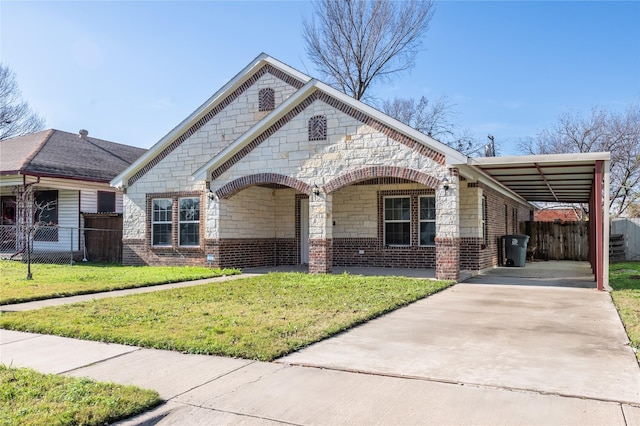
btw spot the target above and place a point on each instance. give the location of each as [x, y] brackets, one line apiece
[304, 231]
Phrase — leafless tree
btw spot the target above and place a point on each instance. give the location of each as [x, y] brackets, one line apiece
[354, 43]
[16, 117]
[435, 118]
[601, 131]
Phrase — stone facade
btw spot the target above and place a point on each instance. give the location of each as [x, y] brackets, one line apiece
[260, 175]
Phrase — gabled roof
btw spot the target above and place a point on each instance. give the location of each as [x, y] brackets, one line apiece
[201, 115]
[305, 84]
[344, 102]
[54, 153]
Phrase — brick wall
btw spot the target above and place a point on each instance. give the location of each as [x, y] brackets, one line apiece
[504, 216]
[320, 255]
[346, 253]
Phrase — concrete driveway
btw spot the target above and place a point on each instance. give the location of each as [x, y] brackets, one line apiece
[542, 328]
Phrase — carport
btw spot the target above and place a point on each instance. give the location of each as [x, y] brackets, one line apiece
[562, 178]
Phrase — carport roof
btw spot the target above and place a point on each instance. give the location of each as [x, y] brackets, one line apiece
[565, 178]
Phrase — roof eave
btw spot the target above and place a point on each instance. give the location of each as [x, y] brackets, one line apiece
[228, 152]
[451, 155]
[237, 80]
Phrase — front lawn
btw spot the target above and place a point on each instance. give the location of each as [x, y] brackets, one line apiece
[262, 317]
[66, 280]
[31, 398]
[624, 279]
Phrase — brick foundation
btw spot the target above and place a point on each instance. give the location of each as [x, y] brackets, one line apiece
[470, 251]
[320, 255]
[228, 253]
[447, 258]
[346, 253]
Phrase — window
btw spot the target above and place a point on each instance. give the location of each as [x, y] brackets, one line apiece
[106, 202]
[397, 221]
[161, 216]
[45, 212]
[318, 128]
[266, 100]
[428, 221]
[189, 221]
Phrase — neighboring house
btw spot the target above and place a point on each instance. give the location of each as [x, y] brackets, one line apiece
[558, 215]
[55, 178]
[277, 168]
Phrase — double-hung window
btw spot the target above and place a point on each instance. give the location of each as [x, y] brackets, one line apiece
[397, 221]
[161, 221]
[427, 221]
[189, 221]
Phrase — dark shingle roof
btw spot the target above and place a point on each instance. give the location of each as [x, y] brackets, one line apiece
[56, 153]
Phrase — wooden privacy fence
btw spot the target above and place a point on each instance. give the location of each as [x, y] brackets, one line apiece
[559, 241]
[103, 237]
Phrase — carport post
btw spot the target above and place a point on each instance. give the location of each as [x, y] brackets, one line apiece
[597, 218]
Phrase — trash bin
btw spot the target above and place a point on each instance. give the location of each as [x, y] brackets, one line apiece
[515, 248]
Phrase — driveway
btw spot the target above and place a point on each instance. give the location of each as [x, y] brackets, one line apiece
[548, 331]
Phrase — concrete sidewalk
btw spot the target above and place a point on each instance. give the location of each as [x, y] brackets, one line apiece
[205, 390]
[432, 362]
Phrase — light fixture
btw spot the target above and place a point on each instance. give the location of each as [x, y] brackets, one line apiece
[445, 183]
[316, 190]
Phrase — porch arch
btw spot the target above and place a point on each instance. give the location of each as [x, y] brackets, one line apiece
[380, 171]
[239, 184]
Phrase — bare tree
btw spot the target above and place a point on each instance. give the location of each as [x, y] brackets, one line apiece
[354, 43]
[601, 131]
[435, 118]
[16, 117]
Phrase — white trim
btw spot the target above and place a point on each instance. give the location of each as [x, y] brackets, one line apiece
[451, 155]
[203, 109]
[587, 157]
[385, 221]
[421, 221]
[203, 172]
[170, 222]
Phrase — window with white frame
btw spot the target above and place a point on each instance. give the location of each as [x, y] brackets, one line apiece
[189, 221]
[428, 220]
[397, 221]
[161, 220]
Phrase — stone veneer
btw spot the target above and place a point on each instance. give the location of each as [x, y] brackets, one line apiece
[248, 219]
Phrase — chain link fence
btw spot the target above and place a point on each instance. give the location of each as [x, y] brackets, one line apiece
[59, 245]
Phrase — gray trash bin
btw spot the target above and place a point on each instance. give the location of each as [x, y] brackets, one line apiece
[515, 247]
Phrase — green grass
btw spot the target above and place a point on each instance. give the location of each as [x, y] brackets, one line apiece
[262, 317]
[65, 280]
[624, 279]
[31, 398]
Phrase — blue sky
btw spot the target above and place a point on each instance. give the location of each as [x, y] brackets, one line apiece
[130, 71]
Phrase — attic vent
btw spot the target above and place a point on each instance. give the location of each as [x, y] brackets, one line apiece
[83, 133]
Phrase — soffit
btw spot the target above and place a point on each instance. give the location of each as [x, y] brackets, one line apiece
[564, 178]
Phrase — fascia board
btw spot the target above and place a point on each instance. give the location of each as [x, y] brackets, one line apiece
[231, 85]
[452, 156]
[203, 172]
[542, 158]
[480, 176]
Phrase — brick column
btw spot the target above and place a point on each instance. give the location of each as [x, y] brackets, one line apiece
[447, 258]
[320, 233]
[448, 229]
